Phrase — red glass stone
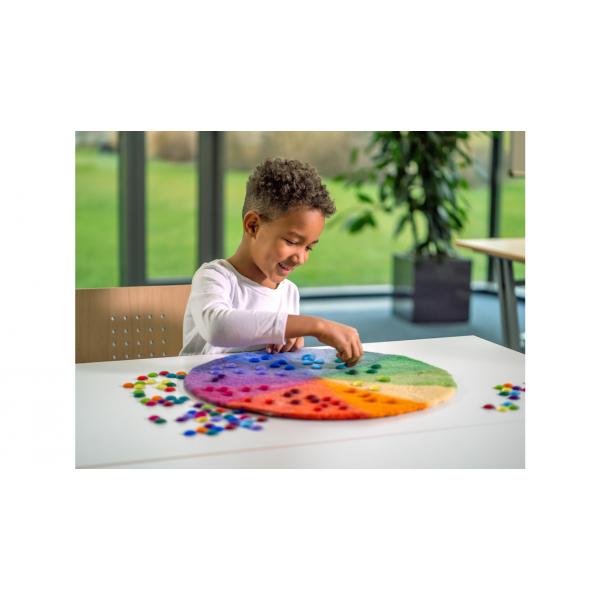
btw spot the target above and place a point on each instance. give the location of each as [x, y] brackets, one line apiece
[488, 406]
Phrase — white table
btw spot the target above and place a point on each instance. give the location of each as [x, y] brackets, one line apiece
[112, 429]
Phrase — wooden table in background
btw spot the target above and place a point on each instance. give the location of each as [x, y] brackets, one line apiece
[503, 251]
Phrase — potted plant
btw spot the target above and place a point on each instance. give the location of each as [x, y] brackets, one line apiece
[417, 178]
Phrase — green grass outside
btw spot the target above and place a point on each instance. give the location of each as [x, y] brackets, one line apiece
[171, 225]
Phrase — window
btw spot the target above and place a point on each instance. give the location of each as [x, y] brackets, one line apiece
[171, 204]
[96, 209]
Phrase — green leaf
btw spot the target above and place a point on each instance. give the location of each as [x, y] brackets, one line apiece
[356, 222]
[402, 222]
[364, 198]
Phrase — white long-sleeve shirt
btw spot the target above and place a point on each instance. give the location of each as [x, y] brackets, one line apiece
[227, 312]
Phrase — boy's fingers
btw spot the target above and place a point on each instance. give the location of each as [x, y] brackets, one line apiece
[289, 345]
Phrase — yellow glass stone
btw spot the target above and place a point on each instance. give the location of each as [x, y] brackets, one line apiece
[374, 388]
[357, 383]
[151, 381]
[161, 387]
[502, 408]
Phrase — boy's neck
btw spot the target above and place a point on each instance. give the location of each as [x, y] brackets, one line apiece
[244, 265]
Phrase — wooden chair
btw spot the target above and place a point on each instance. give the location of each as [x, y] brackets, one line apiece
[129, 322]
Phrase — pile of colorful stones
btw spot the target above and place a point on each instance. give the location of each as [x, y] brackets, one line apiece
[209, 419]
[510, 392]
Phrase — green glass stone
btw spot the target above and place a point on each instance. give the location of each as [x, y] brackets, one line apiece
[376, 366]
[144, 400]
[371, 371]
[497, 387]
[152, 374]
[139, 394]
[160, 421]
[513, 407]
[352, 372]
[503, 393]
[383, 378]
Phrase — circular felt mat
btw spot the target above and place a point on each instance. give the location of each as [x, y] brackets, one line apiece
[314, 384]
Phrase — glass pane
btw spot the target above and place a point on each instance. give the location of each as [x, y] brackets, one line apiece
[342, 258]
[171, 205]
[96, 209]
[477, 196]
[339, 258]
[512, 204]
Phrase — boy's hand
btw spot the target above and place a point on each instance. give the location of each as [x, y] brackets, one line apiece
[289, 346]
[343, 338]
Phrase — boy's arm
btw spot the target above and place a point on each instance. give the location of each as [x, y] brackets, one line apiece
[222, 325]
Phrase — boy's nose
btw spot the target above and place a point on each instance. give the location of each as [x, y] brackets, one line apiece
[299, 258]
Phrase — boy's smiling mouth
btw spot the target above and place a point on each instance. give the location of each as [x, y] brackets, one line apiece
[286, 269]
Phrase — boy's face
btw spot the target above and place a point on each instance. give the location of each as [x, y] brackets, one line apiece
[281, 245]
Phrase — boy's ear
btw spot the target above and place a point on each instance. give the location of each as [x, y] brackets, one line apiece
[251, 222]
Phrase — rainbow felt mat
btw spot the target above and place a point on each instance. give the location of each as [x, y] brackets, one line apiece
[316, 385]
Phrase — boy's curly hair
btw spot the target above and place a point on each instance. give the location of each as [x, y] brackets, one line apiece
[279, 184]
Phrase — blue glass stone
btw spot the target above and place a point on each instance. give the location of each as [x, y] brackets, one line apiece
[341, 366]
[189, 432]
[319, 361]
[289, 367]
[274, 365]
[315, 366]
[254, 359]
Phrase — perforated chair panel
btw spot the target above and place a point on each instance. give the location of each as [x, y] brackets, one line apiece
[129, 322]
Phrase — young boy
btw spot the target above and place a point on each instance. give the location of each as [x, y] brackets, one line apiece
[246, 302]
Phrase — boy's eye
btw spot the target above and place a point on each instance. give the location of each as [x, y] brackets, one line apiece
[291, 243]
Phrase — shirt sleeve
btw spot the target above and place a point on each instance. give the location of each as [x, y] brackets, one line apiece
[221, 325]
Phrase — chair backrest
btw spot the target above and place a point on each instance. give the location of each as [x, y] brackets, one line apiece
[129, 322]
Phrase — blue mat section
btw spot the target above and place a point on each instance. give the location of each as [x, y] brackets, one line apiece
[374, 319]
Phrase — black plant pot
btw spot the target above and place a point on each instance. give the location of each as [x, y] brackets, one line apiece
[432, 289]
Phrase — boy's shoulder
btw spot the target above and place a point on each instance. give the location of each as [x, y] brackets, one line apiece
[215, 268]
